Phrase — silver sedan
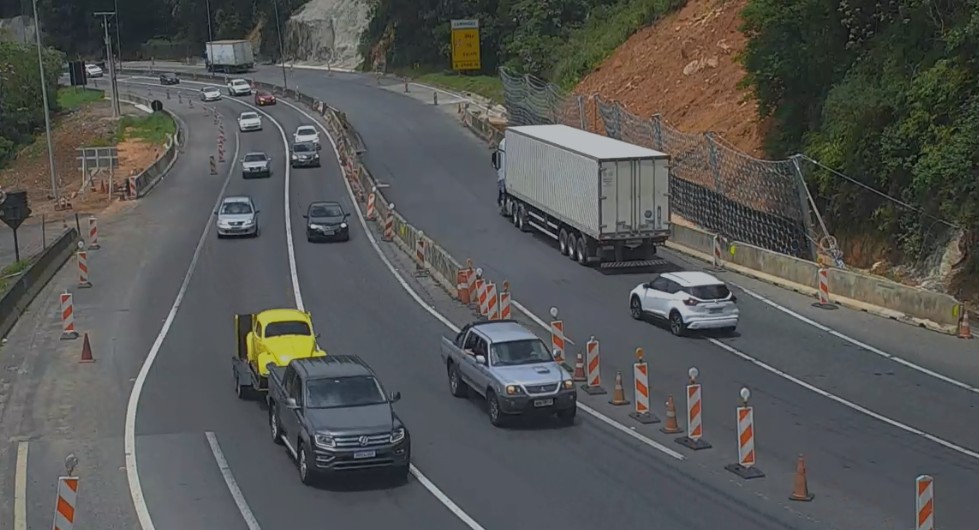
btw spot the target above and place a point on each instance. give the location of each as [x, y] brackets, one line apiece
[237, 216]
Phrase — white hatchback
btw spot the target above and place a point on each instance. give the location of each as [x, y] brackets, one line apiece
[306, 134]
[687, 300]
[239, 87]
[249, 121]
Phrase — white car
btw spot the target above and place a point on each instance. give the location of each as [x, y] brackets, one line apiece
[93, 70]
[210, 93]
[249, 121]
[239, 87]
[687, 300]
[306, 133]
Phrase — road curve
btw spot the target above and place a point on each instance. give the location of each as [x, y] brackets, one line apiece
[540, 474]
[441, 181]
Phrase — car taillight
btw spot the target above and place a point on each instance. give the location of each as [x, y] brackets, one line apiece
[690, 301]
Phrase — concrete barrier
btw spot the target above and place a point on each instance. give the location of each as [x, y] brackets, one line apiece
[25, 288]
[147, 179]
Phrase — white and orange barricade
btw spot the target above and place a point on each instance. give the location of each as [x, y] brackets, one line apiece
[471, 283]
[823, 290]
[82, 258]
[371, 206]
[745, 467]
[593, 368]
[481, 296]
[718, 257]
[924, 506]
[558, 338]
[492, 302]
[93, 233]
[695, 423]
[420, 254]
[389, 224]
[133, 193]
[462, 285]
[67, 317]
[640, 376]
[64, 508]
[214, 166]
[505, 313]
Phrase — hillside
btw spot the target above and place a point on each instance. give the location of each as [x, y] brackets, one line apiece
[685, 68]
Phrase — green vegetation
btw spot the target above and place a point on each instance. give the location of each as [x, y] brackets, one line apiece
[153, 128]
[487, 86]
[21, 111]
[885, 92]
[11, 272]
[71, 98]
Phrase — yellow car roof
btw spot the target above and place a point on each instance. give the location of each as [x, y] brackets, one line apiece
[279, 315]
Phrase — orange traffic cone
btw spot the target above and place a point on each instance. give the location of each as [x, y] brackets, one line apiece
[670, 427]
[87, 351]
[579, 369]
[965, 332]
[618, 394]
[800, 491]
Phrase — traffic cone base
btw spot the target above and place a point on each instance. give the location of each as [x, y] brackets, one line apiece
[800, 489]
[87, 351]
[618, 392]
[579, 369]
[670, 426]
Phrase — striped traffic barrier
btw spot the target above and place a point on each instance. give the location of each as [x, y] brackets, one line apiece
[481, 294]
[93, 233]
[695, 423]
[718, 257]
[557, 336]
[81, 257]
[593, 372]
[214, 165]
[823, 291]
[371, 207]
[492, 302]
[389, 224]
[133, 193]
[67, 317]
[420, 254]
[924, 506]
[640, 377]
[471, 283]
[745, 467]
[505, 313]
[462, 285]
[64, 509]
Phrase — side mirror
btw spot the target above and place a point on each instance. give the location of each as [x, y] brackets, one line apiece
[305, 216]
[319, 147]
[291, 404]
[317, 335]
[647, 285]
[346, 215]
[258, 211]
[494, 160]
[395, 397]
[215, 212]
[481, 359]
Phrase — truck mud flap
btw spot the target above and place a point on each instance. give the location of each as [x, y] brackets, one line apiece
[659, 262]
[243, 324]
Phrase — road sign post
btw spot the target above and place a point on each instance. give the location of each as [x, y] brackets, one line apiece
[465, 45]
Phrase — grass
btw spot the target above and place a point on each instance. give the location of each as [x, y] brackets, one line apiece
[11, 271]
[488, 86]
[71, 98]
[153, 128]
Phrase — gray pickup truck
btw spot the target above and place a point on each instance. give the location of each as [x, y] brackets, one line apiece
[512, 368]
[333, 415]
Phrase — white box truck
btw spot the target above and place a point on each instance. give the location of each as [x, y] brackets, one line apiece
[604, 201]
[229, 56]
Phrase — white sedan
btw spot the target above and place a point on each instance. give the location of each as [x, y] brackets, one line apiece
[687, 300]
[210, 93]
[306, 133]
[93, 70]
[239, 87]
[249, 121]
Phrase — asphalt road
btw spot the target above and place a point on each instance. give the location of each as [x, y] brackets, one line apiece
[441, 181]
[536, 476]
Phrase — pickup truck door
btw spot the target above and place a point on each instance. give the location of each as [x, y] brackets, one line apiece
[481, 374]
[467, 364]
[290, 418]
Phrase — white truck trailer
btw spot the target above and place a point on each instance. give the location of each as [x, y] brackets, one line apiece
[229, 56]
[604, 201]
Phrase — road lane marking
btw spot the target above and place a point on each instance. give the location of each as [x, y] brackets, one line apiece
[132, 408]
[448, 323]
[229, 479]
[20, 488]
[427, 483]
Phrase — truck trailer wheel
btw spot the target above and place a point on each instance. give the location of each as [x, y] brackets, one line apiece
[572, 247]
[562, 241]
[581, 251]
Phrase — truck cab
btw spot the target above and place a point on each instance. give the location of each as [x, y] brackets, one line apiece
[272, 337]
[334, 416]
[511, 368]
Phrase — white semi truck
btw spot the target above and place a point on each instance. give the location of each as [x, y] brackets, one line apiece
[229, 56]
[604, 201]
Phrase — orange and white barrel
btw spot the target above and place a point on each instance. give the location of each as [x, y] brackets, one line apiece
[462, 285]
[593, 363]
[746, 437]
[64, 509]
[558, 340]
[925, 503]
[82, 258]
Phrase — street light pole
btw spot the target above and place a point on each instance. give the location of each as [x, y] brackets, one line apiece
[282, 51]
[210, 37]
[114, 88]
[44, 101]
[118, 39]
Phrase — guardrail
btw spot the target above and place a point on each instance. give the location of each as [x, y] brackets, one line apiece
[147, 179]
[863, 292]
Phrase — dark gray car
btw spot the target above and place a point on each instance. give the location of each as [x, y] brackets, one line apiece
[326, 221]
[305, 154]
[333, 415]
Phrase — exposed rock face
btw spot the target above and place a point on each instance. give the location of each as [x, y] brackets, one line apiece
[327, 32]
[18, 29]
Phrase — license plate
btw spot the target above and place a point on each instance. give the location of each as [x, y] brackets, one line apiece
[716, 309]
[328, 232]
[365, 454]
[543, 402]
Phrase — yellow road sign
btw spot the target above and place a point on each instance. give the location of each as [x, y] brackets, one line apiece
[465, 45]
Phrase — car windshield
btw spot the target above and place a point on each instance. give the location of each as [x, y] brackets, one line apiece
[305, 131]
[239, 82]
[255, 157]
[249, 116]
[516, 352]
[302, 148]
[288, 327]
[325, 210]
[353, 391]
[708, 292]
[236, 208]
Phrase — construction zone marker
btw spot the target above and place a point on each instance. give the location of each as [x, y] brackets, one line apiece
[800, 486]
[618, 392]
[924, 506]
[87, 356]
[93, 233]
[593, 373]
[965, 330]
[492, 302]
[695, 426]
[717, 259]
[64, 508]
[420, 255]
[82, 258]
[67, 317]
[481, 293]
[557, 337]
[471, 284]
[640, 376]
[389, 224]
[371, 207]
[745, 467]
[824, 300]
[462, 285]
[670, 426]
[505, 313]
[579, 369]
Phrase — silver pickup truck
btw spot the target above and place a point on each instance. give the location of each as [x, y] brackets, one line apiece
[512, 368]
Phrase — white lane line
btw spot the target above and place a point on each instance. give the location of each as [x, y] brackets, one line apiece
[422, 479]
[448, 323]
[20, 488]
[132, 471]
[229, 479]
[860, 344]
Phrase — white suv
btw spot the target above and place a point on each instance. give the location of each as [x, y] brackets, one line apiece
[239, 87]
[687, 300]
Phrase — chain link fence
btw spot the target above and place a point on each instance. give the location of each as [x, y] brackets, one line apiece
[714, 186]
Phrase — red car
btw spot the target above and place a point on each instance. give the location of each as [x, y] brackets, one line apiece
[264, 98]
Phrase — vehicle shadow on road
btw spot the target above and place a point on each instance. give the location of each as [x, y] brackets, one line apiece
[701, 334]
[521, 423]
[361, 481]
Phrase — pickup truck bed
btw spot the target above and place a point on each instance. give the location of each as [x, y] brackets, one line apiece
[247, 380]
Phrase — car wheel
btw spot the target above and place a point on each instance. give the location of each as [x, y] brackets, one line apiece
[677, 327]
[562, 241]
[305, 474]
[635, 308]
[240, 390]
[457, 386]
[495, 414]
[566, 416]
[274, 428]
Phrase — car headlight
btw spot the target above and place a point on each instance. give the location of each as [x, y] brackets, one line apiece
[248, 222]
[513, 390]
[343, 225]
[324, 440]
[317, 227]
[567, 384]
[397, 435]
[295, 156]
[223, 224]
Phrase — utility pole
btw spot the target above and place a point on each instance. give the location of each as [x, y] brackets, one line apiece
[282, 51]
[110, 61]
[210, 36]
[44, 101]
[118, 39]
